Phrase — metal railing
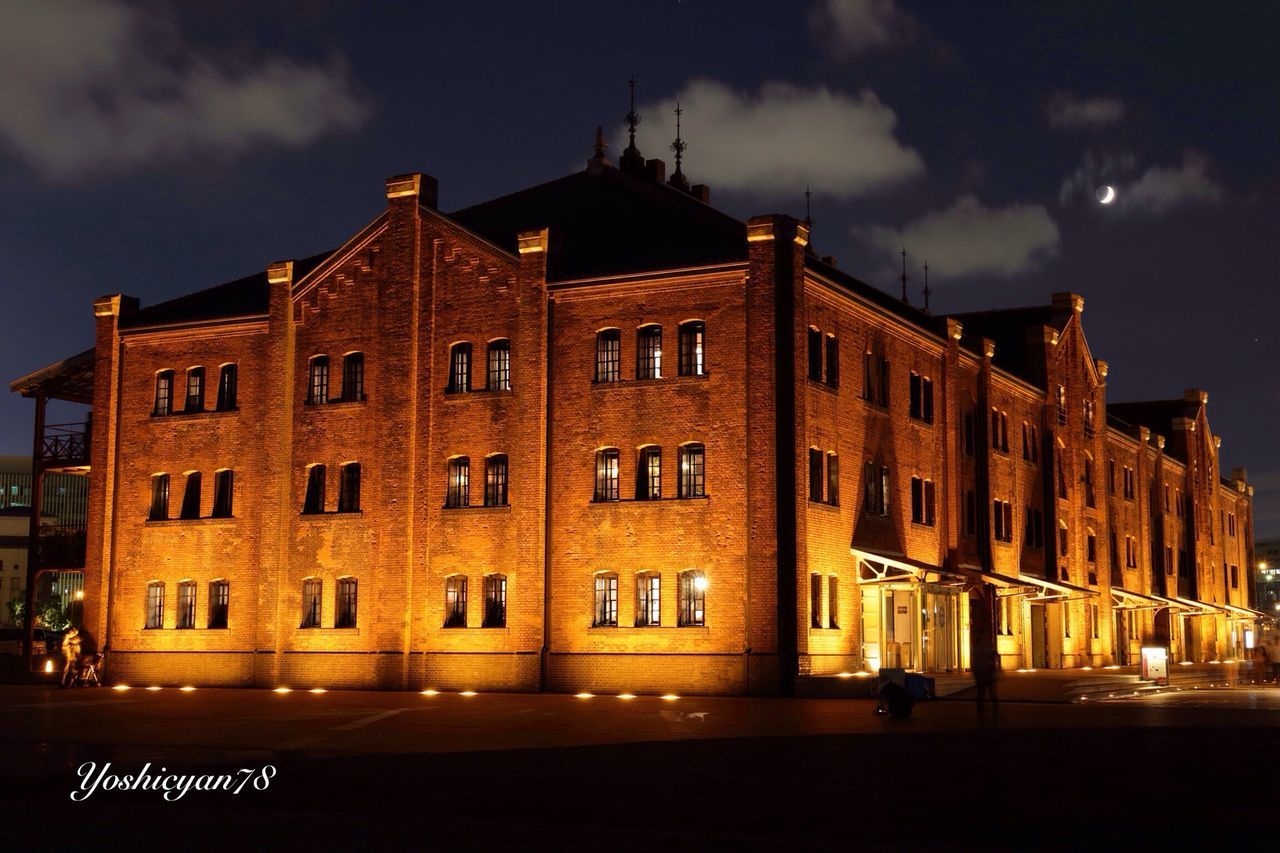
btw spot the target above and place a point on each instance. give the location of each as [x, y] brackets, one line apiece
[65, 444]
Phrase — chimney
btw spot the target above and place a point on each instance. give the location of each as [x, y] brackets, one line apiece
[1068, 303]
[656, 170]
[424, 187]
[701, 192]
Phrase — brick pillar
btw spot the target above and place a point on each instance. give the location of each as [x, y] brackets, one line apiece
[99, 558]
[276, 529]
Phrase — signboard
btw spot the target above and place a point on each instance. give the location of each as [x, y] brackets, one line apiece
[1155, 664]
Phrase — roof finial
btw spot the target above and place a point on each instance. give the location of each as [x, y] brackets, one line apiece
[903, 278]
[632, 160]
[926, 287]
[598, 161]
[808, 195]
[677, 177]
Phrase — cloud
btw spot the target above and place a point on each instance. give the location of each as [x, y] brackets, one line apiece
[1154, 191]
[93, 85]
[1065, 111]
[849, 27]
[968, 239]
[783, 138]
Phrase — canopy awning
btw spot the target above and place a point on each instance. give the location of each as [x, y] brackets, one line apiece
[70, 379]
[1243, 612]
[1124, 599]
[1056, 590]
[1200, 608]
[882, 567]
[1184, 606]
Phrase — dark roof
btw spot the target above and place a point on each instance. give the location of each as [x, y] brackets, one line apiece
[886, 301]
[70, 379]
[243, 297]
[1156, 415]
[611, 223]
[1007, 328]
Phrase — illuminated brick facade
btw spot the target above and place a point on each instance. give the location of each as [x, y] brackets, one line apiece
[775, 486]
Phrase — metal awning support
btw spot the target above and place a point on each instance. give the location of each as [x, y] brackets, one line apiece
[885, 568]
[1242, 613]
[1056, 590]
[1198, 608]
[1123, 599]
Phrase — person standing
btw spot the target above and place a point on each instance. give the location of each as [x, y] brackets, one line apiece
[983, 660]
[71, 656]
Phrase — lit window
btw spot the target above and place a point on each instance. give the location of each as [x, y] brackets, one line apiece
[455, 601]
[495, 601]
[459, 368]
[649, 474]
[186, 605]
[353, 377]
[692, 340]
[649, 352]
[349, 488]
[222, 493]
[195, 390]
[459, 492]
[495, 480]
[311, 599]
[606, 600]
[608, 355]
[345, 617]
[155, 604]
[314, 501]
[607, 474]
[191, 497]
[159, 497]
[164, 393]
[693, 471]
[648, 599]
[499, 372]
[693, 598]
[219, 603]
[318, 380]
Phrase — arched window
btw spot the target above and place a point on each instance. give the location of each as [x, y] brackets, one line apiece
[311, 600]
[353, 377]
[314, 501]
[815, 600]
[186, 604]
[833, 361]
[1062, 539]
[219, 603]
[833, 602]
[191, 496]
[608, 355]
[195, 390]
[649, 474]
[1089, 499]
[499, 373]
[159, 497]
[815, 354]
[495, 480]
[459, 486]
[455, 601]
[648, 599]
[606, 600]
[345, 614]
[692, 340]
[222, 493]
[349, 488]
[155, 604]
[318, 380]
[607, 474]
[693, 480]
[693, 598]
[459, 368]
[495, 601]
[649, 352]
[164, 394]
[227, 382]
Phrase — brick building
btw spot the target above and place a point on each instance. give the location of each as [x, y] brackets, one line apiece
[598, 435]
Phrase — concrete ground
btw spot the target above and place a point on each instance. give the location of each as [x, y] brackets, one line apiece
[494, 771]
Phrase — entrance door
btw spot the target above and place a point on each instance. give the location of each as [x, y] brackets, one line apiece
[941, 629]
[1039, 637]
[1121, 637]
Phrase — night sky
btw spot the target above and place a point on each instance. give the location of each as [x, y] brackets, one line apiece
[156, 149]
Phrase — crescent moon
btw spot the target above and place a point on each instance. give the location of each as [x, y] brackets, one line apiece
[1106, 194]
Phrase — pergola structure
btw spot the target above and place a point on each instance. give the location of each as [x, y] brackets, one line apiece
[54, 447]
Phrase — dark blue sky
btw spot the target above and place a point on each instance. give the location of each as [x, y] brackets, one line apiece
[155, 149]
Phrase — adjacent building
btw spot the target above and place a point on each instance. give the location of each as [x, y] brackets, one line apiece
[598, 435]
